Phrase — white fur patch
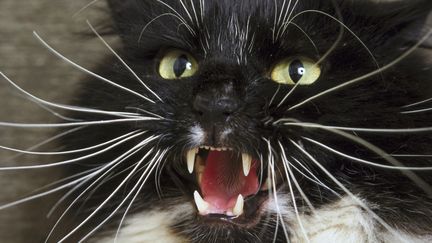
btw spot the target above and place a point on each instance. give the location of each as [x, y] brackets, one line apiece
[340, 222]
[197, 134]
[151, 227]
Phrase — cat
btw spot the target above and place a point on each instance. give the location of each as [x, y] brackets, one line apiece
[251, 121]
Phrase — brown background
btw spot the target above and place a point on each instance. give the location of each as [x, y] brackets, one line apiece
[29, 64]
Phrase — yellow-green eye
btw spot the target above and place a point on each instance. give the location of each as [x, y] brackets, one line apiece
[295, 70]
[177, 64]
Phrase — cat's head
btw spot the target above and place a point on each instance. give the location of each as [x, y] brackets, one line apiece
[248, 95]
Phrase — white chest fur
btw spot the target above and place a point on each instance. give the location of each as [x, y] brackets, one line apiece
[341, 222]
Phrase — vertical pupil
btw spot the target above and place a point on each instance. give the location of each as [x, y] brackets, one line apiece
[296, 70]
[180, 65]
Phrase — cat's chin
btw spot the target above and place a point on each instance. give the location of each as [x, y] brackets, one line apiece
[229, 187]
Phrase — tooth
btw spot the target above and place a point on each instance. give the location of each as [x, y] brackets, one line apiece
[218, 149]
[247, 162]
[207, 147]
[190, 157]
[238, 208]
[200, 203]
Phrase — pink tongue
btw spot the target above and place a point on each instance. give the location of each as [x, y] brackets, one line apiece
[223, 180]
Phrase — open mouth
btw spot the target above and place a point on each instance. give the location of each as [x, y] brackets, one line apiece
[229, 182]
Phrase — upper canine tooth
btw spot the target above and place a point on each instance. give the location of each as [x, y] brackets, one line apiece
[190, 157]
[247, 162]
[238, 208]
[202, 205]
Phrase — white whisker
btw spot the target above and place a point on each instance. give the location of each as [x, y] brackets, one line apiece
[368, 75]
[418, 103]
[358, 129]
[66, 107]
[74, 124]
[56, 53]
[348, 192]
[69, 151]
[366, 161]
[113, 164]
[122, 61]
[65, 162]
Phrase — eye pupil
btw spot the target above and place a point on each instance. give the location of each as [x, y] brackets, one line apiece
[180, 65]
[296, 70]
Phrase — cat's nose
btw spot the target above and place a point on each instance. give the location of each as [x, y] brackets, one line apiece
[214, 109]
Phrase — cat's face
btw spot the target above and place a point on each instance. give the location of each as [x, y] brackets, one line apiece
[265, 110]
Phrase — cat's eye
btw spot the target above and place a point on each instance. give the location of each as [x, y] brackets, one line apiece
[177, 64]
[297, 70]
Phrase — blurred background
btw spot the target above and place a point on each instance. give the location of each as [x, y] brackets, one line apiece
[25, 61]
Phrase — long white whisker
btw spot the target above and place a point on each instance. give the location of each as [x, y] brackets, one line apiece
[84, 8]
[287, 167]
[74, 124]
[410, 174]
[122, 61]
[366, 161]
[39, 195]
[66, 107]
[348, 192]
[65, 162]
[418, 103]
[416, 111]
[273, 181]
[184, 22]
[357, 129]
[52, 50]
[378, 71]
[105, 201]
[69, 151]
[136, 195]
[314, 177]
[289, 178]
[113, 164]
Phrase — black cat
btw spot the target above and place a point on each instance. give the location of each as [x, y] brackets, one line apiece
[255, 121]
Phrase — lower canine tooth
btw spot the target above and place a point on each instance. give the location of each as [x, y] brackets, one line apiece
[247, 162]
[190, 157]
[202, 205]
[238, 208]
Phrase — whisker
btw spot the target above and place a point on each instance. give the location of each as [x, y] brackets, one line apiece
[184, 22]
[138, 187]
[56, 53]
[273, 182]
[113, 164]
[417, 103]
[84, 8]
[105, 201]
[287, 167]
[122, 61]
[74, 124]
[69, 151]
[366, 161]
[66, 107]
[411, 175]
[289, 178]
[368, 75]
[417, 111]
[357, 129]
[348, 192]
[314, 179]
[65, 162]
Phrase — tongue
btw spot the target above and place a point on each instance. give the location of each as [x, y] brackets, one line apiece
[223, 180]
